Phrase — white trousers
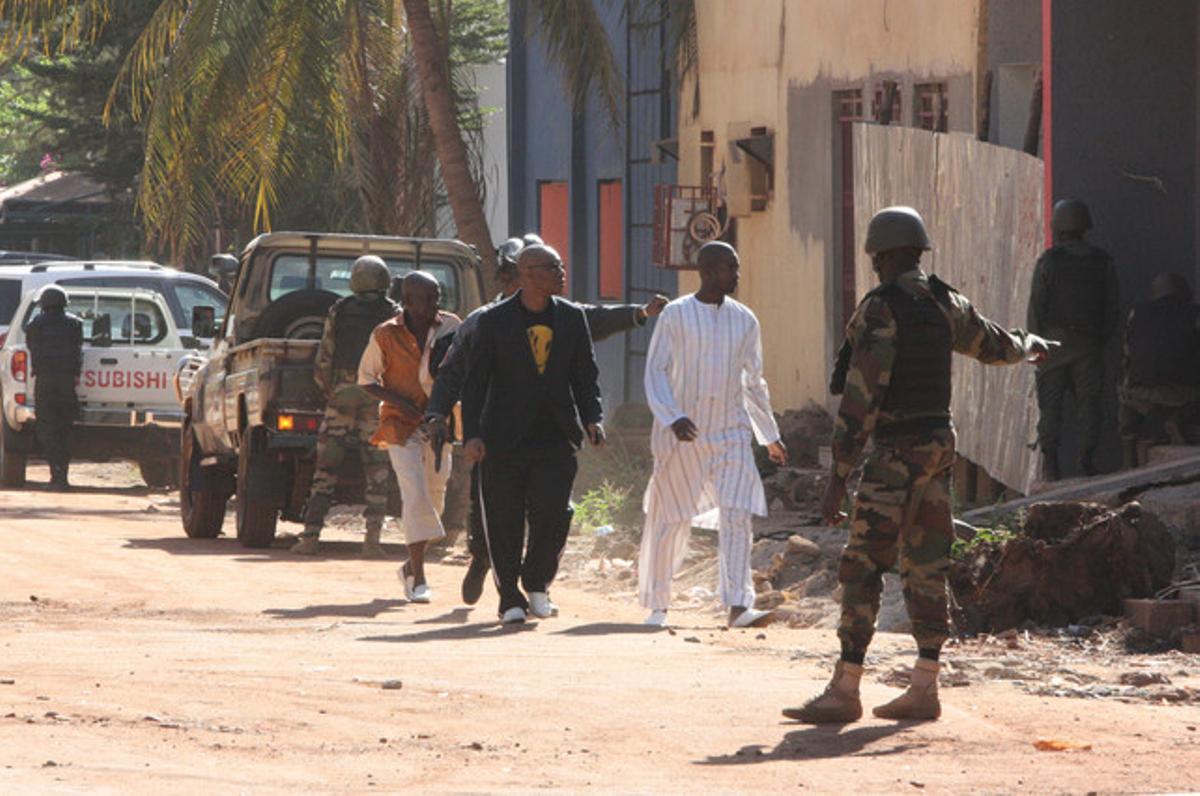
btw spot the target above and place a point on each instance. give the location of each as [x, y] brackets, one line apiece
[665, 544]
[422, 489]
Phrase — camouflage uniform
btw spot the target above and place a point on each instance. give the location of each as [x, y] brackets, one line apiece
[902, 509]
[351, 419]
[1161, 373]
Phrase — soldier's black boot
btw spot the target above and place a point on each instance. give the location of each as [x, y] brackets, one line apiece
[58, 478]
[1049, 465]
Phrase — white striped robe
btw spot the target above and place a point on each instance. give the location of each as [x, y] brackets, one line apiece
[705, 363]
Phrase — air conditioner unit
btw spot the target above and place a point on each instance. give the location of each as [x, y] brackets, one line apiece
[685, 218]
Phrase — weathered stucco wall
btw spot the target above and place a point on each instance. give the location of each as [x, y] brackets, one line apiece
[777, 63]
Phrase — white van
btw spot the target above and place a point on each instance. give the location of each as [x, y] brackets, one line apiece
[182, 291]
[128, 409]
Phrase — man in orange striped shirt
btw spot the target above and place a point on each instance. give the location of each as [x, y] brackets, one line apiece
[396, 368]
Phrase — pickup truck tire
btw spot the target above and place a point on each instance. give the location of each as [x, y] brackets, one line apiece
[257, 513]
[297, 316]
[13, 455]
[203, 511]
[159, 473]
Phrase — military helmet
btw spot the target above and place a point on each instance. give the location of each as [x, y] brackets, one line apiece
[897, 227]
[530, 239]
[369, 275]
[52, 297]
[506, 255]
[1070, 215]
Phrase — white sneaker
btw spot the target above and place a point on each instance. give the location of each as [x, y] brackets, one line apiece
[540, 605]
[422, 594]
[513, 616]
[657, 618]
[752, 617]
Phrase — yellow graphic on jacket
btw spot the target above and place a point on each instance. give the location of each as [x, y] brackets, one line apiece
[541, 337]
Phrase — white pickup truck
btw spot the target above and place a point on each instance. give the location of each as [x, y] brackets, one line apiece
[127, 403]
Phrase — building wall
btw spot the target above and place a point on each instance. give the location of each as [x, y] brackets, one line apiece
[1124, 99]
[1013, 53]
[547, 142]
[779, 67]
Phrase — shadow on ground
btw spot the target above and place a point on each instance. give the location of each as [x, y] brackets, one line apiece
[609, 629]
[823, 742]
[367, 610]
[461, 632]
[279, 551]
[139, 490]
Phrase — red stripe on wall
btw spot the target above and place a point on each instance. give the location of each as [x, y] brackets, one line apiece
[554, 221]
[612, 240]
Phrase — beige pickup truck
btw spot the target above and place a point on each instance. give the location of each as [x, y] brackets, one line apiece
[251, 408]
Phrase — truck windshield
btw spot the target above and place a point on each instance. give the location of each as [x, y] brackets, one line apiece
[131, 320]
[289, 273]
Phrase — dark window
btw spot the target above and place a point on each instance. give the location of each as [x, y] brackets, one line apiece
[612, 240]
[10, 297]
[930, 103]
[708, 148]
[885, 108]
[289, 273]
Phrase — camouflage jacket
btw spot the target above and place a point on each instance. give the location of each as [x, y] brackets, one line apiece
[872, 337]
[333, 381]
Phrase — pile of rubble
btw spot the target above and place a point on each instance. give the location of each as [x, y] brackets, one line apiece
[1069, 562]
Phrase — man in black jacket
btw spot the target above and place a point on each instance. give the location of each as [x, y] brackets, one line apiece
[55, 340]
[532, 381]
[604, 321]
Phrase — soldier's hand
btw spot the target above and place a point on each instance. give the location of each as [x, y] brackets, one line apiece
[1040, 348]
[655, 305]
[685, 430]
[777, 452]
[596, 436]
[832, 502]
[475, 450]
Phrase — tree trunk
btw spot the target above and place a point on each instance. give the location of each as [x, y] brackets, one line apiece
[432, 65]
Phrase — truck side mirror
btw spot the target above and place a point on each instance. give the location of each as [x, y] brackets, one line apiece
[204, 322]
[102, 330]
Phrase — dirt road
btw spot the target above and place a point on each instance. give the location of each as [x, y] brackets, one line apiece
[137, 660]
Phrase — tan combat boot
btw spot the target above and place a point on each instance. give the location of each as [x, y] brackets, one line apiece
[838, 703]
[371, 547]
[920, 701]
[308, 545]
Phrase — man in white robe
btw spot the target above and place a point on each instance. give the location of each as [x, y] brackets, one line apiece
[704, 385]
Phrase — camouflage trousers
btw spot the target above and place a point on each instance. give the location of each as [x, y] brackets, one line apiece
[347, 428]
[902, 511]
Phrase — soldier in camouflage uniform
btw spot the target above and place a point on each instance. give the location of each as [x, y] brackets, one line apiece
[351, 415]
[1073, 299]
[1161, 367]
[897, 392]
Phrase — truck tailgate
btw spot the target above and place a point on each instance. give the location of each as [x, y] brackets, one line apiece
[124, 378]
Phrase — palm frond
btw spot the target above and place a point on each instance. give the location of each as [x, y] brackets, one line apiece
[577, 42]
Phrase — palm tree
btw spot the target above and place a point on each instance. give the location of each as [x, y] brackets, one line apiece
[234, 95]
[239, 99]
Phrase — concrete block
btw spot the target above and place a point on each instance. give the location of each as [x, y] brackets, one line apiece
[1159, 617]
[1191, 642]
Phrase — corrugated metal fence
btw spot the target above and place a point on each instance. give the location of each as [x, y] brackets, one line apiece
[983, 206]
